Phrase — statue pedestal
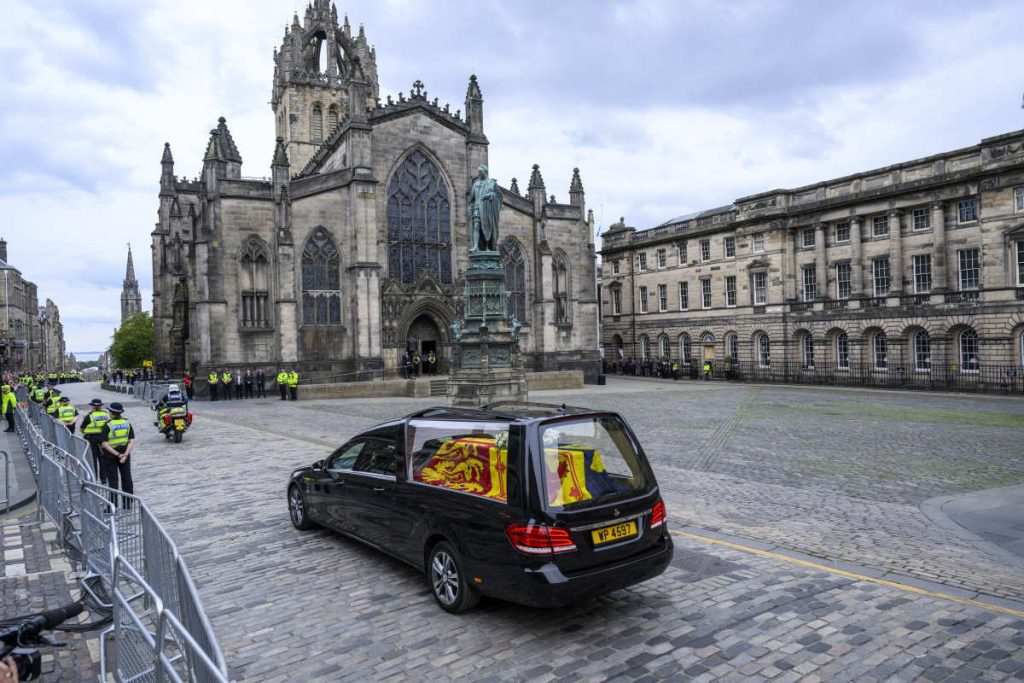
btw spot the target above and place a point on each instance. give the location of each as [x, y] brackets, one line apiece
[486, 366]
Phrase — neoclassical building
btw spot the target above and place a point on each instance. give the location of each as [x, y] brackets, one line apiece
[917, 267]
[353, 249]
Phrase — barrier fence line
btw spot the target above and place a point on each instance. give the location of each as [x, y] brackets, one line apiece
[161, 629]
[7, 482]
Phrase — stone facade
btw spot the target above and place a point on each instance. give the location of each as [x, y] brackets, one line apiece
[355, 247]
[917, 266]
[33, 334]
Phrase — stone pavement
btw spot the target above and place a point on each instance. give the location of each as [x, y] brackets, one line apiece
[835, 474]
[994, 516]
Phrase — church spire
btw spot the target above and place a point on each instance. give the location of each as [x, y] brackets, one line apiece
[131, 297]
[129, 273]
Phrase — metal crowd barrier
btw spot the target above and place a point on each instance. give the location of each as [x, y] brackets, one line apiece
[159, 624]
[149, 391]
[6, 502]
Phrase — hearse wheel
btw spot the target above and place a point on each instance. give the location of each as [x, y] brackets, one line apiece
[297, 509]
[448, 581]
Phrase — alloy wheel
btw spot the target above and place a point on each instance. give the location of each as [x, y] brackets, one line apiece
[445, 578]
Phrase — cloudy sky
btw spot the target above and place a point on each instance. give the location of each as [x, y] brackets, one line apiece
[666, 106]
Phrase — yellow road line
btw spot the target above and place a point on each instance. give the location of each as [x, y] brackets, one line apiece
[849, 575]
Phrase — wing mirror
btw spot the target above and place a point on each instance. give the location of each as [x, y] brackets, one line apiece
[318, 465]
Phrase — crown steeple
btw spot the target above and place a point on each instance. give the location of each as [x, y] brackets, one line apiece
[131, 298]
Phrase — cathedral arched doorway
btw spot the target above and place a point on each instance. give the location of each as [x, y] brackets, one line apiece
[424, 337]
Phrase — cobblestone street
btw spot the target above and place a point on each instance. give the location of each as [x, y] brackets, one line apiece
[831, 476]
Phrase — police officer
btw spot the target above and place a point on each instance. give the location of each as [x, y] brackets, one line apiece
[261, 383]
[213, 379]
[92, 429]
[117, 446]
[67, 414]
[54, 403]
[8, 402]
[225, 381]
[282, 384]
[39, 394]
[293, 385]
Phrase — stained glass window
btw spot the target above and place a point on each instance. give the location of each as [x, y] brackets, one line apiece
[515, 279]
[321, 281]
[254, 283]
[419, 221]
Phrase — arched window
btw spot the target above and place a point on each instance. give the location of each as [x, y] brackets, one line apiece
[764, 350]
[316, 124]
[321, 281]
[880, 351]
[968, 343]
[664, 347]
[515, 279]
[254, 284]
[685, 352]
[842, 351]
[645, 347]
[807, 350]
[419, 221]
[560, 281]
[922, 351]
[732, 346]
[332, 118]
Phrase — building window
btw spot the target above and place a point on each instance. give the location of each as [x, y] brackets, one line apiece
[616, 301]
[662, 298]
[880, 274]
[643, 299]
[807, 237]
[684, 296]
[642, 260]
[681, 254]
[843, 231]
[842, 351]
[922, 273]
[419, 222]
[316, 124]
[759, 287]
[730, 247]
[615, 267]
[843, 287]
[332, 119]
[922, 219]
[730, 290]
[1020, 263]
[757, 242]
[922, 351]
[763, 346]
[968, 343]
[705, 293]
[560, 278]
[685, 356]
[515, 278]
[645, 347]
[1018, 198]
[879, 350]
[254, 281]
[321, 281]
[967, 210]
[810, 283]
[662, 258]
[705, 250]
[664, 347]
[970, 269]
[807, 351]
[732, 346]
[879, 226]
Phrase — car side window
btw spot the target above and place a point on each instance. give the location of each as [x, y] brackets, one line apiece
[378, 457]
[345, 458]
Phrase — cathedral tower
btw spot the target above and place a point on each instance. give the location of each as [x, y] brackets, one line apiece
[317, 63]
[131, 299]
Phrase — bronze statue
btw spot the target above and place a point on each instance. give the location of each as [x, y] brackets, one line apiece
[482, 208]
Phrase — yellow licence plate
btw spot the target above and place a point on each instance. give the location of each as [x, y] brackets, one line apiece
[613, 533]
[179, 423]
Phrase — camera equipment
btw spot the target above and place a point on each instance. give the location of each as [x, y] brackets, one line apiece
[21, 640]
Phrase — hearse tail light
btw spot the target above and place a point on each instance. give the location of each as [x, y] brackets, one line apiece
[537, 539]
[658, 515]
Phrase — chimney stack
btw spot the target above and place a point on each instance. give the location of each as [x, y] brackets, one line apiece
[3, 250]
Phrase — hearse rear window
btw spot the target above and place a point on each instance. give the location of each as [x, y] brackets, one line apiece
[588, 460]
[471, 457]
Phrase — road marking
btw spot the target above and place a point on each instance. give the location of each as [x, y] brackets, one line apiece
[267, 431]
[849, 575]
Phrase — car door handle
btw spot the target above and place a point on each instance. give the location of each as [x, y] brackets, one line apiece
[378, 489]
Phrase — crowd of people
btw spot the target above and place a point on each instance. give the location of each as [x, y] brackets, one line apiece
[239, 385]
[413, 364]
[661, 369]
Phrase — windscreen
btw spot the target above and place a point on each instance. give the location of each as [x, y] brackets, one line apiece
[589, 460]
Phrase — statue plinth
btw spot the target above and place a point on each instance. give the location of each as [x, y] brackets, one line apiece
[486, 366]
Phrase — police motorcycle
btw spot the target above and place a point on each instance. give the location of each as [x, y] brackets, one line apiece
[172, 414]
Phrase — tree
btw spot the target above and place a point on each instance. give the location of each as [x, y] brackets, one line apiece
[133, 341]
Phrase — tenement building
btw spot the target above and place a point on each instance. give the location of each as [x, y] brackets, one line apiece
[915, 270]
[354, 250]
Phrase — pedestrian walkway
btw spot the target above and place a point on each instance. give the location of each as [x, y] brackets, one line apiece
[23, 484]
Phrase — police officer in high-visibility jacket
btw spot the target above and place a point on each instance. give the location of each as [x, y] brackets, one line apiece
[8, 402]
[118, 444]
[282, 384]
[67, 414]
[92, 429]
[214, 380]
[54, 404]
[225, 382]
[39, 394]
[293, 385]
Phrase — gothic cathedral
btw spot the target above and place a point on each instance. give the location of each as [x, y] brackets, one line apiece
[353, 251]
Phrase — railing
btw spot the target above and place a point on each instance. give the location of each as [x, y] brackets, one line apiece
[159, 625]
[6, 501]
[965, 297]
[915, 299]
[361, 376]
[836, 304]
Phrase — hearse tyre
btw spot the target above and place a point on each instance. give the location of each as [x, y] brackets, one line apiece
[448, 581]
[297, 509]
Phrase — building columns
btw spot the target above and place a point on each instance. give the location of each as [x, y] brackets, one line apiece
[820, 267]
[939, 246]
[895, 252]
[856, 267]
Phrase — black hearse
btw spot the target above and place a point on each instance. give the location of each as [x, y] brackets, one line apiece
[536, 504]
